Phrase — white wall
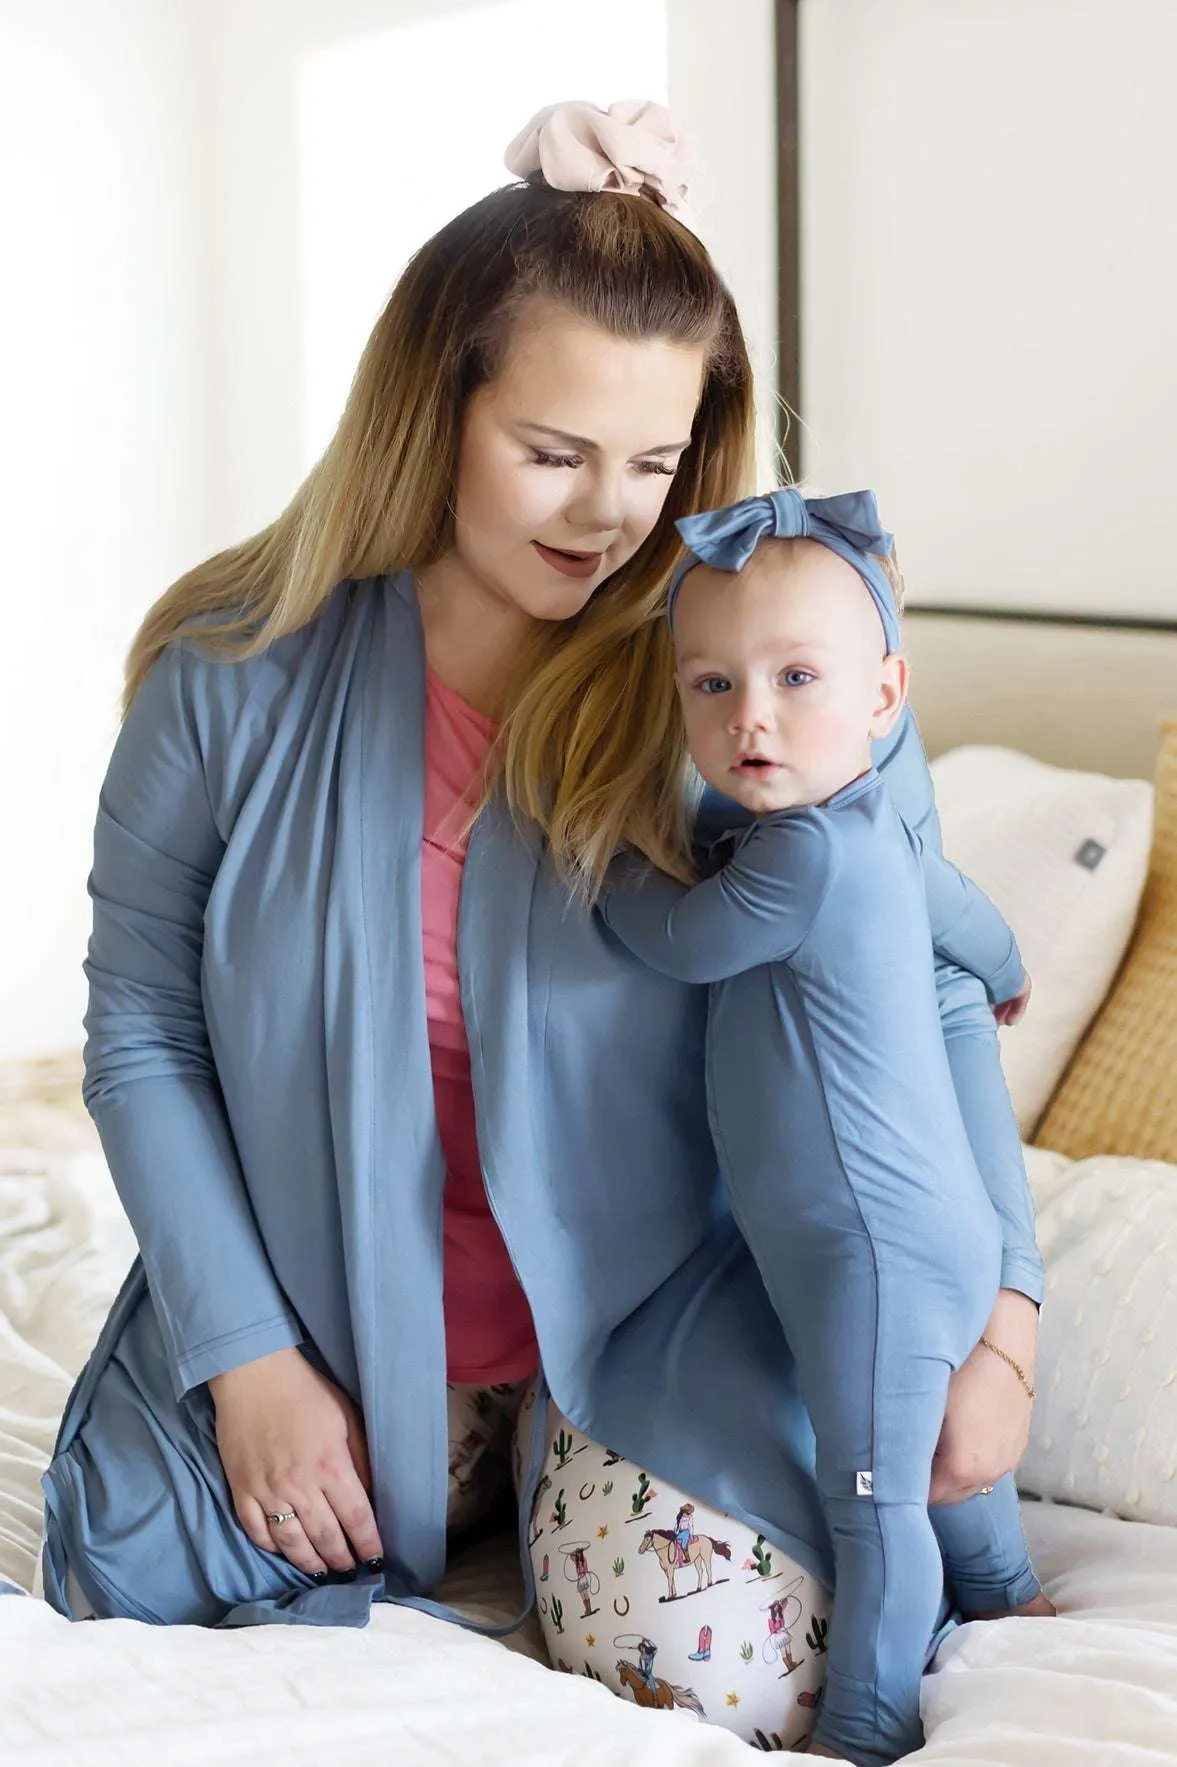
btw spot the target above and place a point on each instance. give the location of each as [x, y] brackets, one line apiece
[102, 438]
[320, 185]
[989, 265]
[723, 90]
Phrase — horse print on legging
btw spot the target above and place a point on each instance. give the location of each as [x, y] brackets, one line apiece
[670, 1603]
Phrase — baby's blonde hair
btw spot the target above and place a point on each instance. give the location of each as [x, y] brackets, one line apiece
[889, 565]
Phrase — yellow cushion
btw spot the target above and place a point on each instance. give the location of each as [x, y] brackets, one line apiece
[1119, 1095]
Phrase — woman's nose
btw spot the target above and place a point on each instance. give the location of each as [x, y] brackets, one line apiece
[599, 505]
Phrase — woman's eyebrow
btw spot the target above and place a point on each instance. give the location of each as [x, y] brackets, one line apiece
[563, 435]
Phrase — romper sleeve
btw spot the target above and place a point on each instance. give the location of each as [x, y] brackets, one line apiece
[151, 1084]
[757, 909]
[970, 1036]
[967, 929]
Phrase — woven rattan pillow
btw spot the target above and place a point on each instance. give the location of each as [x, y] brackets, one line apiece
[1119, 1095]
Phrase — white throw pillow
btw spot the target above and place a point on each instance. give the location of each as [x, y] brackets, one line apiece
[1105, 1420]
[1064, 856]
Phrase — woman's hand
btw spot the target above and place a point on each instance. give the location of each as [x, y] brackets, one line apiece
[290, 1440]
[1010, 1011]
[987, 1420]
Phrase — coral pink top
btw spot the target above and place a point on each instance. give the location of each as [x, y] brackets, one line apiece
[489, 1332]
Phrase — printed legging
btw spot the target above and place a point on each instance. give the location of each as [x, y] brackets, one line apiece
[644, 1588]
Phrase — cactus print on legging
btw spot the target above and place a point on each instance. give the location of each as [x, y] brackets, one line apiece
[670, 1603]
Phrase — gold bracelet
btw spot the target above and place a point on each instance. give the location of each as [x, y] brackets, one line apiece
[1016, 1366]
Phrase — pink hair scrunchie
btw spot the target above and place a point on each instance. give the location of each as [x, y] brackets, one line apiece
[634, 146]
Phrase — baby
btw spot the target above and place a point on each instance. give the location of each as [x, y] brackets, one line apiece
[831, 1099]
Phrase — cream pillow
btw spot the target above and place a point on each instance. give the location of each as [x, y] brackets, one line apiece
[1105, 1420]
[1064, 856]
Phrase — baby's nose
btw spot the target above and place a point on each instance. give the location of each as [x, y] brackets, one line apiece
[750, 712]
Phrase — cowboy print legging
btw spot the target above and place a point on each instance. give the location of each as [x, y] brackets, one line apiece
[667, 1602]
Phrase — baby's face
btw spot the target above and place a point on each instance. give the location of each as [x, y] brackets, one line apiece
[782, 676]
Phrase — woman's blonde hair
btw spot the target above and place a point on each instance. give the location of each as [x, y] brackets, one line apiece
[592, 747]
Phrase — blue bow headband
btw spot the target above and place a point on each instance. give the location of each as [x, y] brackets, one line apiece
[848, 525]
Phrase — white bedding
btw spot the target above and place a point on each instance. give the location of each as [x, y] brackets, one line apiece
[1098, 1685]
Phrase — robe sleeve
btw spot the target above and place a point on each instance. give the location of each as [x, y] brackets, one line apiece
[970, 1036]
[758, 909]
[151, 1084]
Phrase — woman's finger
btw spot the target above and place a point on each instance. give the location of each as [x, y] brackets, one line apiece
[358, 1449]
[291, 1540]
[350, 1502]
[953, 1484]
[322, 1530]
[253, 1519]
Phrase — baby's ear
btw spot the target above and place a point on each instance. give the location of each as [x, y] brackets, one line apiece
[891, 697]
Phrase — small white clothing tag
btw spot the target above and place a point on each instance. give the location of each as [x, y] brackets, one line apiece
[864, 1484]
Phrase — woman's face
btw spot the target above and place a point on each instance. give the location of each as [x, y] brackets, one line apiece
[566, 459]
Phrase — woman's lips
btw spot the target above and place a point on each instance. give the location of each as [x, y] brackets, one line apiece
[570, 564]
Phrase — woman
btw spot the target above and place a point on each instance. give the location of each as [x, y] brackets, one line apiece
[291, 1022]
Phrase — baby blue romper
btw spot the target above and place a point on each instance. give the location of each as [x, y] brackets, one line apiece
[851, 1176]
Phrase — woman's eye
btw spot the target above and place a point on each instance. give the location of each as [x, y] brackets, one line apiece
[714, 684]
[796, 677]
[647, 468]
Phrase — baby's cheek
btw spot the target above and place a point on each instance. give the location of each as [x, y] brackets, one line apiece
[828, 735]
[819, 730]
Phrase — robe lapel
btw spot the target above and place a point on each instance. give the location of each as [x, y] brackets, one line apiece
[388, 1157]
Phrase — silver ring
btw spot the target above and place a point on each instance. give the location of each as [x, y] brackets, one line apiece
[283, 1515]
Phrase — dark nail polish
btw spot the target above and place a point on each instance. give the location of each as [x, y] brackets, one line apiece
[319, 1577]
[373, 1565]
[343, 1576]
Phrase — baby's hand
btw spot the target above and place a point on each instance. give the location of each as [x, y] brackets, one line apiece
[1010, 1011]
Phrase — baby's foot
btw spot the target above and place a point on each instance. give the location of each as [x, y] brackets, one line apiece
[1041, 1607]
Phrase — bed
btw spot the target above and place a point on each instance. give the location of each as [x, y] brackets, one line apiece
[1097, 1685]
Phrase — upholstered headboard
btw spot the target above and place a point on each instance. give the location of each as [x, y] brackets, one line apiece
[1073, 692]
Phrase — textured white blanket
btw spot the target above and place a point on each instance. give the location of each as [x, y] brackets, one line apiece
[1098, 1685]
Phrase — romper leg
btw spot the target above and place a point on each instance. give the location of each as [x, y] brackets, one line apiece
[982, 1542]
[880, 1296]
[723, 1624]
[877, 1409]
[985, 1551]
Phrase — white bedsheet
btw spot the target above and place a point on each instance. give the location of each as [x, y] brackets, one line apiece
[1098, 1685]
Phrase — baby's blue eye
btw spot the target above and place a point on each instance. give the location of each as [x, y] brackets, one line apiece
[797, 677]
[714, 684]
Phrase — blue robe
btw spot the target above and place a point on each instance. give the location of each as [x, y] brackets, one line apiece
[258, 1068]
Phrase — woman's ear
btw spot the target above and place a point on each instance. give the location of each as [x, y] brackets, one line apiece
[892, 696]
